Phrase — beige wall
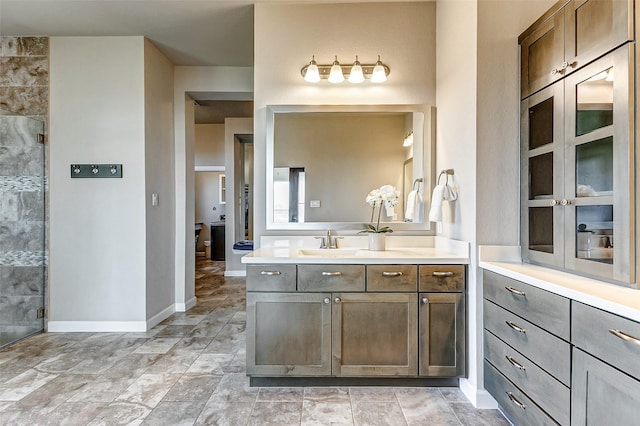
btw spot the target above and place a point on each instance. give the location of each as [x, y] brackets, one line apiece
[287, 35]
[209, 145]
[159, 179]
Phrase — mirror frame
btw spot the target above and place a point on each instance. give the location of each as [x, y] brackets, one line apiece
[425, 154]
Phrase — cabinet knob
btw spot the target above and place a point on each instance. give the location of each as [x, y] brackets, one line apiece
[425, 301]
[556, 71]
[565, 202]
[327, 300]
[337, 300]
[554, 202]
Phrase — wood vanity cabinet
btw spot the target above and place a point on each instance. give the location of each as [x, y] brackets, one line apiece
[355, 320]
[569, 36]
[577, 139]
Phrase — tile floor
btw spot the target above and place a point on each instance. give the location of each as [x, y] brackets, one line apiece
[189, 370]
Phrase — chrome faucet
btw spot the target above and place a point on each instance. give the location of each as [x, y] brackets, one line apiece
[329, 242]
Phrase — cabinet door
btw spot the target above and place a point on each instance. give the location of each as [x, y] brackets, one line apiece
[288, 334]
[595, 27]
[602, 395]
[599, 153]
[542, 54]
[542, 170]
[375, 334]
[442, 335]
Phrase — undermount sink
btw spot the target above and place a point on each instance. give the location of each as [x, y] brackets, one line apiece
[329, 252]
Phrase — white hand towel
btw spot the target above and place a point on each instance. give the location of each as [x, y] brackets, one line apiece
[414, 201]
[435, 212]
[450, 193]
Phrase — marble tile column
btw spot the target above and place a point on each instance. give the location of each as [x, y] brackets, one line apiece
[24, 92]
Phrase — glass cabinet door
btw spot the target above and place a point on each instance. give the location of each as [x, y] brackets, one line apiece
[542, 168]
[598, 153]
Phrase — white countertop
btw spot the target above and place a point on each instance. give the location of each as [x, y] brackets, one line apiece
[400, 250]
[506, 261]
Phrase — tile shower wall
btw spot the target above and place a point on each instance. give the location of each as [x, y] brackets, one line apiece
[24, 89]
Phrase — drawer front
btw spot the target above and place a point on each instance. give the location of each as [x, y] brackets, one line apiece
[271, 277]
[442, 278]
[609, 337]
[549, 352]
[520, 409]
[392, 278]
[331, 277]
[548, 393]
[545, 309]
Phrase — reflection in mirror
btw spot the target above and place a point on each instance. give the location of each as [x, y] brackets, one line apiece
[595, 102]
[322, 161]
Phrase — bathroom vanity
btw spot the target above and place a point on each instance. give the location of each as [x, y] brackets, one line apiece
[351, 312]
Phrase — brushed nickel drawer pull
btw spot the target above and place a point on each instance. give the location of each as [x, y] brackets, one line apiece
[516, 327]
[515, 401]
[624, 336]
[392, 274]
[515, 291]
[442, 274]
[515, 363]
[270, 273]
[331, 274]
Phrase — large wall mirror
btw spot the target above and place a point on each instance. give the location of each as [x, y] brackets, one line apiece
[322, 161]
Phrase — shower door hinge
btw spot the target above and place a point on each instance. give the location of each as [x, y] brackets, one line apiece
[41, 138]
[41, 312]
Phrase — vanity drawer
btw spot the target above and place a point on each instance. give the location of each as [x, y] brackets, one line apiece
[551, 395]
[545, 309]
[392, 278]
[271, 277]
[442, 278]
[331, 277]
[520, 409]
[549, 352]
[611, 338]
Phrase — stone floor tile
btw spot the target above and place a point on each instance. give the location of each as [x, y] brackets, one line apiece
[157, 345]
[471, 416]
[208, 363]
[280, 395]
[453, 395]
[174, 362]
[276, 413]
[174, 414]
[55, 392]
[121, 413]
[149, 389]
[193, 387]
[425, 406]
[371, 394]
[378, 413]
[333, 410]
[75, 413]
[23, 384]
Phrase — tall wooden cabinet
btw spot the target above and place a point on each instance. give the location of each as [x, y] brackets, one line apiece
[577, 145]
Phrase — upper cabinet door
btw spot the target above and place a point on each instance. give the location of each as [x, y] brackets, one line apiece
[565, 39]
[594, 27]
[542, 54]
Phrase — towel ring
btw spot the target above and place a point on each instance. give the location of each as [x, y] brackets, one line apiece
[417, 181]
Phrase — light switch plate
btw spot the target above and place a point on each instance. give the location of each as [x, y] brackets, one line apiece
[314, 203]
[96, 170]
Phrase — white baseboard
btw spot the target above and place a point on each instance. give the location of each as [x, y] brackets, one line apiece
[184, 307]
[96, 326]
[480, 398]
[160, 316]
[235, 273]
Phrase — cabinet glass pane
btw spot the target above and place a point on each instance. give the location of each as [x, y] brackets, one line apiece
[594, 233]
[594, 98]
[541, 124]
[541, 176]
[541, 229]
[594, 168]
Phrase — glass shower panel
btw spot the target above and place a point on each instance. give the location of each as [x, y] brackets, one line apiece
[22, 241]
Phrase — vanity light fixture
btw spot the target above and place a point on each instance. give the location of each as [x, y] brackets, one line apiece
[312, 75]
[336, 72]
[336, 75]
